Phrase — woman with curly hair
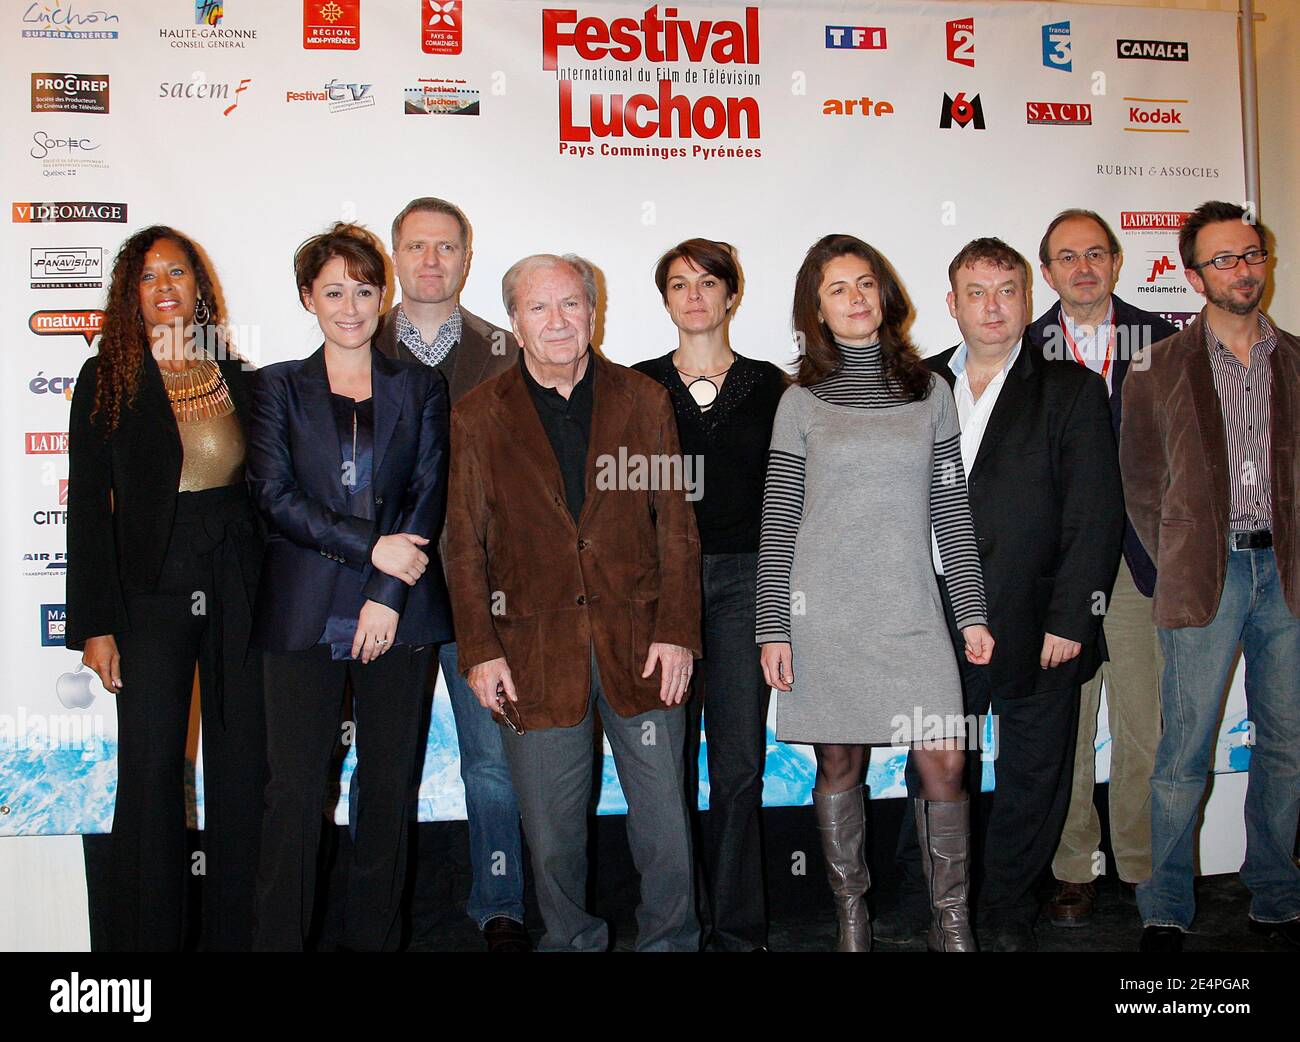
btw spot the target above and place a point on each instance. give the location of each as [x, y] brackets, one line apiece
[164, 551]
[865, 459]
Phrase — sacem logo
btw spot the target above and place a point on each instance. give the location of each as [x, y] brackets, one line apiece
[198, 87]
[856, 38]
[1156, 115]
[1058, 113]
[962, 111]
[960, 38]
[1153, 50]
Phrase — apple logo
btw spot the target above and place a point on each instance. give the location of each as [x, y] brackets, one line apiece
[73, 689]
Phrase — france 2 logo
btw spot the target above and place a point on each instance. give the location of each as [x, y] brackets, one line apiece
[1056, 46]
[441, 28]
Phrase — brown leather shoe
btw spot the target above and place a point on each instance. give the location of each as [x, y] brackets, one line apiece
[1072, 905]
[503, 934]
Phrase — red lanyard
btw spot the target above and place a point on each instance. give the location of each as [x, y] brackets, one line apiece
[1110, 343]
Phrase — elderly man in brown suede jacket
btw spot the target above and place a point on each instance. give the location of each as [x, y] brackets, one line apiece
[1209, 448]
[576, 589]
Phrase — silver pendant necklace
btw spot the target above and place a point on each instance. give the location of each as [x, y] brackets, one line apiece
[701, 386]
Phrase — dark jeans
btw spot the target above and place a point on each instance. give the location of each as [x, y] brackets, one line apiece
[730, 693]
[304, 713]
[171, 630]
[1033, 767]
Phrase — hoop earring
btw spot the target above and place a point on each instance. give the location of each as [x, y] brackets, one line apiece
[201, 312]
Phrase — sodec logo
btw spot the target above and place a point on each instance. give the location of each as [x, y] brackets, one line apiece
[961, 41]
[855, 37]
[441, 27]
[963, 111]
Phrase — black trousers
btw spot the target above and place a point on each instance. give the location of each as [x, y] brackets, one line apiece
[304, 715]
[199, 611]
[1023, 817]
[730, 693]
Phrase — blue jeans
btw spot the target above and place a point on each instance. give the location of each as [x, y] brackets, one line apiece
[495, 847]
[1198, 660]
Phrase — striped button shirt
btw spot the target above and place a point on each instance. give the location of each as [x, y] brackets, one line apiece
[1245, 398]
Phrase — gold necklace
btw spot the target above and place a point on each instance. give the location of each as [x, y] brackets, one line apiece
[198, 393]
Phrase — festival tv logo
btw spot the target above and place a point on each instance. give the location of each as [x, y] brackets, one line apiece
[338, 97]
[88, 323]
[1056, 46]
[1153, 50]
[54, 624]
[68, 213]
[83, 92]
[67, 267]
[57, 21]
[856, 37]
[1156, 115]
[46, 443]
[441, 26]
[437, 97]
[961, 111]
[1058, 113]
[961, 41]
[331, 25]
[1152, 220]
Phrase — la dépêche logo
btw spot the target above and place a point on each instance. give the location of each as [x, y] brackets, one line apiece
[1152, 220]
[45, 443]
[659, 49]
[331, 25]
[56, 20]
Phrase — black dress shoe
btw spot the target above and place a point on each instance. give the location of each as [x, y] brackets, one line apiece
[1287, 932]
[1008, 937]
[1161, 939]
[503, 934]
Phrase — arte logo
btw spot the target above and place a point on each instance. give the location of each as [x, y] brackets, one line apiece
[1056, 46]
[62, 386]
[68, 213]
[856, 37]
[661, 40]
[1153, 50]
[46, 443]
[1152, 220]
[856, 107]
[434, 97]
[1162, 275]
[70, 92]
[441, 27]
[1156, 115]
[197, 87]
[1058, 113]
[961, 42]
[207, 30]
[339, 97]
[67, 267]
[86, 324]
[52, 564]
[962, 111]
[54, 625]
[57, 21]
[331, 25]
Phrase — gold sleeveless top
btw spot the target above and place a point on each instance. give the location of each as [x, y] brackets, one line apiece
[211, 439]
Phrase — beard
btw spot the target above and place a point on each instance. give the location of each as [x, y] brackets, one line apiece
[1233, 304]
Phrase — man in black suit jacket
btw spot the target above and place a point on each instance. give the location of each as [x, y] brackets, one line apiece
[431, 256]
[1080, 259]
[1048, 514]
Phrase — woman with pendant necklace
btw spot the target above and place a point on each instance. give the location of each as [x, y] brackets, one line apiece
[725, 404]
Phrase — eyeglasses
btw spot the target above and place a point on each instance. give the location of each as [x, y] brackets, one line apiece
[1228, 261]
[1093, 256]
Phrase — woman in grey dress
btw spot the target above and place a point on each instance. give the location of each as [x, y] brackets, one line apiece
[865, 460]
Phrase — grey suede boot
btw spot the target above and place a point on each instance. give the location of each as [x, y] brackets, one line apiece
[841, 821]
[943, 829]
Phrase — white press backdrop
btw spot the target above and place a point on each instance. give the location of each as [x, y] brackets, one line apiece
[249, 140]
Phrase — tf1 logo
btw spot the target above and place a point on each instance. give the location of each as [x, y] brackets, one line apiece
[856, 37]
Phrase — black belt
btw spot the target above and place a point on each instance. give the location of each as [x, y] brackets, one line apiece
[1259, 539]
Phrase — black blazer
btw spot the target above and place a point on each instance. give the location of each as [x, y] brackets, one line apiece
[294, 471]
[1049, 516]
[122, 497]
[1141, 328]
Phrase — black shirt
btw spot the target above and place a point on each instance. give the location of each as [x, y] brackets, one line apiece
[567, 422]
[732, 438]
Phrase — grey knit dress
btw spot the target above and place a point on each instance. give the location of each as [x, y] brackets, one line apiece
[856, 477]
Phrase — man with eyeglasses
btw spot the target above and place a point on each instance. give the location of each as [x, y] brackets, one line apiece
[1209, 449]
[1080, 258]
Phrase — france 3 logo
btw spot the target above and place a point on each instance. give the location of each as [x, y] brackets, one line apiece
[54, 625]
[1056, 47]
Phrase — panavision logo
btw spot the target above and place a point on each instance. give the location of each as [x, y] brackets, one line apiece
[962, 111]
[1156, 115]
[67, 267]
[1058, 113]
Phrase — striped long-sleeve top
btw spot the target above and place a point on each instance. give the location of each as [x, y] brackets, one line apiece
[860, 383]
